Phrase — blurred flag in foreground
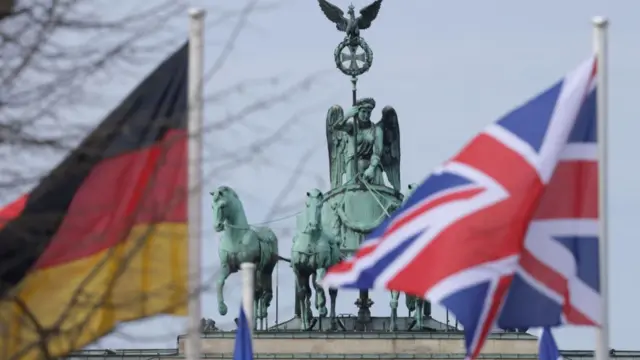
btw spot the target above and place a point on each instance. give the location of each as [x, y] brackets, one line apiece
[504, 234]
[103, 237]
[243, 349]
[548, 350]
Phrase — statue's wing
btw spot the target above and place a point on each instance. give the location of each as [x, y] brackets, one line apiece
[390, 158]
[336, 144]
[368, 14]
[334, 14]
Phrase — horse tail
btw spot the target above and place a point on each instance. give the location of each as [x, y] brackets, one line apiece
[281, 258]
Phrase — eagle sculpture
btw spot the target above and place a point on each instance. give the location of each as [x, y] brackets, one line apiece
[351, 25]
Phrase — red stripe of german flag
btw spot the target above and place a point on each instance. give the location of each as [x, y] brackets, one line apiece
[102, 238]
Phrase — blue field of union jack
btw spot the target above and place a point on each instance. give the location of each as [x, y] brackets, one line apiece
[504, 234]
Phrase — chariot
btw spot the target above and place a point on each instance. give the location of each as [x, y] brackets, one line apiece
[364, 168]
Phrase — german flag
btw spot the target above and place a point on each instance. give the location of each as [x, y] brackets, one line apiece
[102, 238]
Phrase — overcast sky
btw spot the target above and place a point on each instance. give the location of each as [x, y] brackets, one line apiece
[449, 68]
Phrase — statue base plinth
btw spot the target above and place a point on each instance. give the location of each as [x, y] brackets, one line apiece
[366, 345]
[377, 324]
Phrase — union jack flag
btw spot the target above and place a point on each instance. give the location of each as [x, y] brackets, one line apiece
[505, 233]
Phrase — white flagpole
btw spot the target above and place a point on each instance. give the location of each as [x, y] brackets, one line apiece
[248, 273]
[196, 63]
[600, 26]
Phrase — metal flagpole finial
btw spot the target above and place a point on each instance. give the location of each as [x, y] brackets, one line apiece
[196, 13]
[600, 21]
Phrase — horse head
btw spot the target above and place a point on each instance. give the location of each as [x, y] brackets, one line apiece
[313, 207]
[225, 206]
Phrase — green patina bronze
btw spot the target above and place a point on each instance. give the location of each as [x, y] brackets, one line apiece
[416, 306]
[240, 242]
[208, 326]
[360, 154]
[347, 50]
[364, 168]
[315, 248]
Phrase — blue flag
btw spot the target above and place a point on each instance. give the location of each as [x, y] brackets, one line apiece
[548, 350]
[243, 349]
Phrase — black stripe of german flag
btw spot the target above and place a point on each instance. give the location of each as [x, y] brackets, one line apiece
[102, 238]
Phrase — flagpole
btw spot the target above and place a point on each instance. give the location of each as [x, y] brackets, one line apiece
[194, 123]
[600, 25]
[248, 274]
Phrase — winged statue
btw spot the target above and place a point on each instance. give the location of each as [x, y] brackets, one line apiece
[351, 25]
[390, 158]
[337, 143]
[378, 144]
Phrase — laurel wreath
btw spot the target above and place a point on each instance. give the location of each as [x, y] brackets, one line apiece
[368, 56]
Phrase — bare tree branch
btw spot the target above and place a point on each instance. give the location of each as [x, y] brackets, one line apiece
[50, 53]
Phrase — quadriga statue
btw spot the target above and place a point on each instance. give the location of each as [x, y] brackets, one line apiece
[313, 251]
[240, 242]
[360, 154]
[416, 306]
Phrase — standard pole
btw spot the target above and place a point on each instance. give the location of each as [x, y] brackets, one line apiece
[277, 293]
[354, 99]
[196, 60]
[248, 272]
[600, 26]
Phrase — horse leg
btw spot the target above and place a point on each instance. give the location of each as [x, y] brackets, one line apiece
[410, 301]
[321, 298]
[267, 296]
[300, 292]
[419, 314]
[224, 273]
[309, 312]
[307, 301]
[393, 304]
[297, 311]
[257, 302]
[426, 309]
[333, 294]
